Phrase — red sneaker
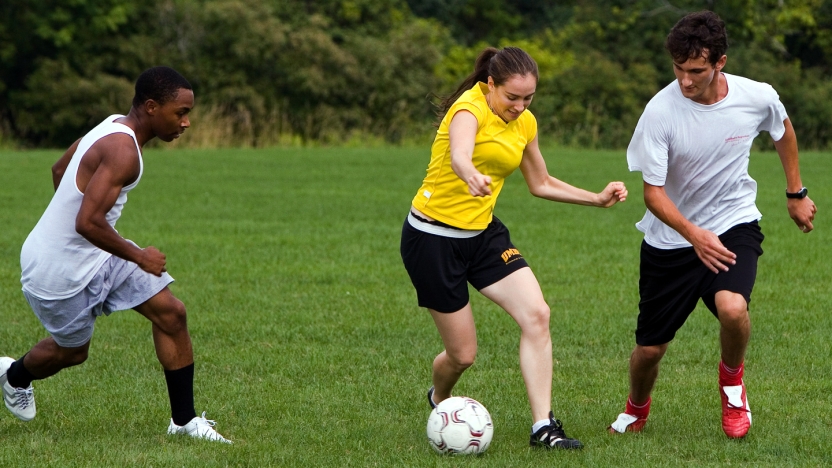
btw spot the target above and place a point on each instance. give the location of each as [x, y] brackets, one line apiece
[736, 414]
[627, 423]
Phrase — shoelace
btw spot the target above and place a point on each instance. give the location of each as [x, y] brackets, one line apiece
[208, 431]
[737, 412]
[24, 396]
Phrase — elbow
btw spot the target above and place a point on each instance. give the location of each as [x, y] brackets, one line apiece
[84, 227]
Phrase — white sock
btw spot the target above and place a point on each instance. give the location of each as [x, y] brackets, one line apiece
[536, 426]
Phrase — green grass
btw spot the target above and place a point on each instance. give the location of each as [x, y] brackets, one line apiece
[311, 350]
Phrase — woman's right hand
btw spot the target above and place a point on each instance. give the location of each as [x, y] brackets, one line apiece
[478, 185]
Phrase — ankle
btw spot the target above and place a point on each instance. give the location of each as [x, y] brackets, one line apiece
[730, 377]
[18, 376]
[639, 410]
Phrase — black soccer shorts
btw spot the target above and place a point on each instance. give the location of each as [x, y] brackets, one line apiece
[673, 280]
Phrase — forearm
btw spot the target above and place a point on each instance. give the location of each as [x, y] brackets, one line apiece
[559, 191]
[100, 234]
[462, 164]
[663, 208]
[705, 243]
[787, 151]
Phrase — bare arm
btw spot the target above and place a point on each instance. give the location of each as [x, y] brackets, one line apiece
[59, 167]
[115, 163]
[802, 211]
[707, 245]
[462, 132]
[543, 185]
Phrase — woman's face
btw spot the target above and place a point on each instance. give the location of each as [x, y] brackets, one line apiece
[511, 98]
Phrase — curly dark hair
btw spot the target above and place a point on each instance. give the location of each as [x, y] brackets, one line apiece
[161, 84]
[695, 34]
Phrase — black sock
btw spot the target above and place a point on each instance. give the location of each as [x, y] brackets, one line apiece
[181, 393]
[18, 376]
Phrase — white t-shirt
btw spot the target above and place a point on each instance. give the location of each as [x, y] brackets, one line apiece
[58, 262]
[699, 153]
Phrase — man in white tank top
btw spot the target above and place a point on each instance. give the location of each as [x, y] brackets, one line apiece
[77, 267]
[701, 236]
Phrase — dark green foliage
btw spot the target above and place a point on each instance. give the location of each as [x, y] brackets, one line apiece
[329, 71]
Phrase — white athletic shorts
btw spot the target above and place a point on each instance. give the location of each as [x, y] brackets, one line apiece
[118, 285]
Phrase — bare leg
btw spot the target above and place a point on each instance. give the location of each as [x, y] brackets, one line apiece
[520, 295]
[47, 358]
[644, 369]
[170, 329]
[735, 327]
[459, 336]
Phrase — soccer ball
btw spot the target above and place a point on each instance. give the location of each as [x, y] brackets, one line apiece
[460, 425]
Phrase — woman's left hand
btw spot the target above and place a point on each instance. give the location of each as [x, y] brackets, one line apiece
[613, 193]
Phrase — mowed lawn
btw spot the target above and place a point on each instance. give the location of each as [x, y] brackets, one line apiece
[311, 350]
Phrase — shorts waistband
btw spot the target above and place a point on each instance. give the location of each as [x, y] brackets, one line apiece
[439, 228]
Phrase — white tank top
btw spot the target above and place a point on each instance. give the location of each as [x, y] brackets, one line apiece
[58, 262]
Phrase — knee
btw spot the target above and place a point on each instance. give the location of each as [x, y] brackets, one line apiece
[733, 313]
[537, 319]
[649, 354]
[73, 356]
[174, 318]
[463, 359]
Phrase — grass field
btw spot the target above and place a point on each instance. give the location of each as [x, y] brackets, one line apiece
[311, 350]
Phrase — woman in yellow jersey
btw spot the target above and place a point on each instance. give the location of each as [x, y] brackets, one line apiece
[451, 237]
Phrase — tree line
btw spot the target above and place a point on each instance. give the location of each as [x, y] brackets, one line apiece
[268, 72]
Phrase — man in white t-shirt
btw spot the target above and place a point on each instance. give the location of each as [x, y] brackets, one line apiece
[77, 267]
[701, 237]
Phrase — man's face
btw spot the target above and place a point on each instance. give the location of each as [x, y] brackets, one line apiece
[696, 77]
[510, 99]
[171, 118]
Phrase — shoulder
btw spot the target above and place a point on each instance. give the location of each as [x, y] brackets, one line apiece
[752, 90]
[528, 123]
[665, 101]
[473, 101]
[116, 151]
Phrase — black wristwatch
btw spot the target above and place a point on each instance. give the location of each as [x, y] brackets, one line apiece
[799, 194]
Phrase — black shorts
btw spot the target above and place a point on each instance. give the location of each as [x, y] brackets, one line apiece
[672, 282]
[440, 267]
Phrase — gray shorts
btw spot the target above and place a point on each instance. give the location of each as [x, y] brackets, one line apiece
[118, 285]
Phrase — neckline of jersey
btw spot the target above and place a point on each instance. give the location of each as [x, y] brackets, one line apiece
[708, 107]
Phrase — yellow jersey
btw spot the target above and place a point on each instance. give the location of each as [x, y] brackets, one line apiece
[498, 150]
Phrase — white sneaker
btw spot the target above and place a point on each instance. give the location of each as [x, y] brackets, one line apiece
[199, 428]
[20, 401]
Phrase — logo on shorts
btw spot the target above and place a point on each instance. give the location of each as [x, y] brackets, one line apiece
[511, 255]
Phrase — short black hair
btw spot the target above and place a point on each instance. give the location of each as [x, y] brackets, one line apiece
[160, 84]
[696, 33]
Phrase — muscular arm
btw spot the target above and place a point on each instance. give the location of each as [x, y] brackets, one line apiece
[706, 244]
[108, 166]
[543, 185]
[462, 132]
[59, 167]
[802, 211]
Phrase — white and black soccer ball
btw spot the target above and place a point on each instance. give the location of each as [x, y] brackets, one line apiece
[460, 425]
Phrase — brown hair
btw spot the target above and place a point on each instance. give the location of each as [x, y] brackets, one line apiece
[500, 65]
[696, 33]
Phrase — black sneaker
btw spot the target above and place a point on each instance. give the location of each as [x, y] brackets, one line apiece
[430, 398]
[551, 436]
